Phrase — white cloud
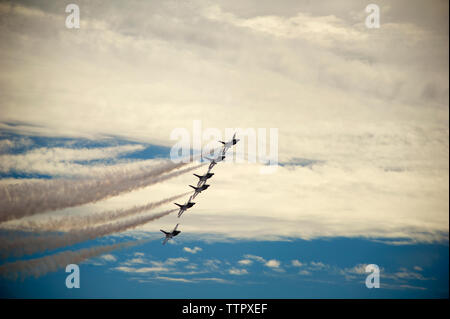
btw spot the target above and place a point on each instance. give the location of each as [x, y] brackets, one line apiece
[60, 161]
[359, 269]
[138, 260]
[318, 265]
[273, 263]
[157, 266]
[254, 257]
[296, 263]
[392, 279]
[219, 280]
[190, 280]
[5, 145]
[407, 274]
[192, 250]
[170, 261]
[360, 202]
[401, 287]
[245, 262]
[401, 278]
[191, 266]
[142, 269]
[323, 30]
[212, 263]
[173, 279]
[235, 271]
[109, 257]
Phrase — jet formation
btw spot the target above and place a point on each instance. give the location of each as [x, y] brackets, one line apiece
[201, 185]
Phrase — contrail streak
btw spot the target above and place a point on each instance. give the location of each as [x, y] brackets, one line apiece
[26, 199]
[40, 266]
[32, 244]
[73, 223]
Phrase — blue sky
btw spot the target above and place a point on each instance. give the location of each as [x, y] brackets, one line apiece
[327, 260]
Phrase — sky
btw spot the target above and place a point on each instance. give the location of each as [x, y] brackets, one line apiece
[362, 119]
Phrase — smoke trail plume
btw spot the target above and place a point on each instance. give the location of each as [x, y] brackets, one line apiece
[26, 199]
[40, 266]
[32, 244]
[72, 223]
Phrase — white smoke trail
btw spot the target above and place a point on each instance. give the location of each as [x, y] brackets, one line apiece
[33, 244]
[26, 199]
[40, 266]
[73, 223]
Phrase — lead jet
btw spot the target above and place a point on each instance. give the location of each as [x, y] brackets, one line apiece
[199, 189]
[170, 235]
[203, 178]
[184, 207]
[227, 145]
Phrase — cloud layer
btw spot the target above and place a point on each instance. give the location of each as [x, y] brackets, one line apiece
[362, 114]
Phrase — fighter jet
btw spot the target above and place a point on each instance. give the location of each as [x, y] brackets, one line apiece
[198, 190]
[214, 161]
[227, 145]
[203, 178]
[184, 207]
[170, 235]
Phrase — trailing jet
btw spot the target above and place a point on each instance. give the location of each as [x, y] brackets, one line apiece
[199, 189]
[203, 178]
[214, 161]
[217, 159]
[184, 207]
[170, 235]
[227, 145]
